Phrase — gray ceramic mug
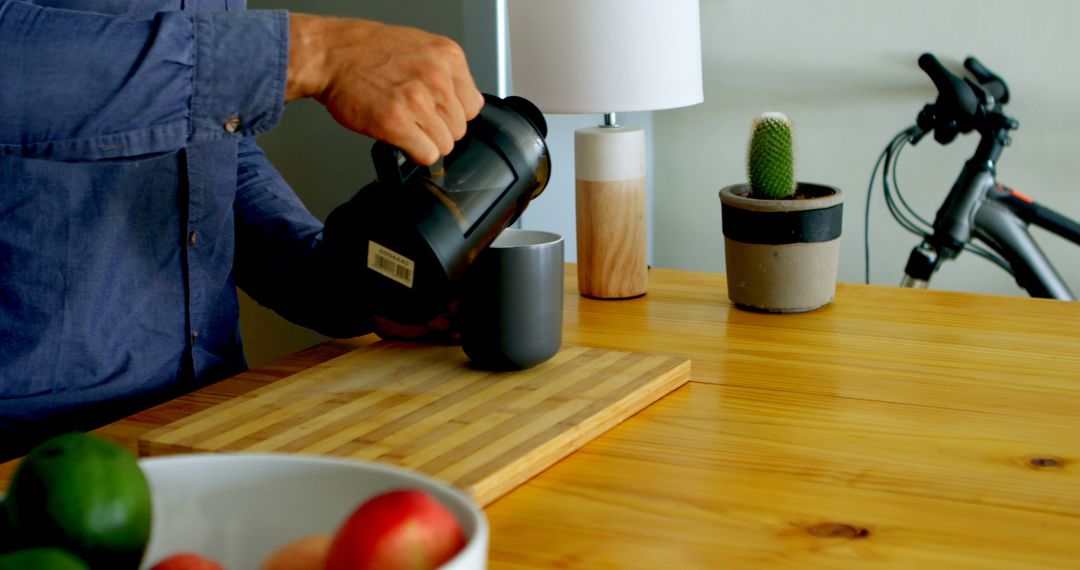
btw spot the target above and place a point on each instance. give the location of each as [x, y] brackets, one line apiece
[511, 309]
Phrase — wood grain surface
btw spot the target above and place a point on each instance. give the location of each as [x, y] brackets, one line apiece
[612, 238]
[743, 477]
[422, 407]
[894, 428]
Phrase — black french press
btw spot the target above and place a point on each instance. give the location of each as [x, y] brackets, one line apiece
[417, 228]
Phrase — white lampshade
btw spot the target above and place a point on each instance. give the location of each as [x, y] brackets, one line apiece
[606, 56]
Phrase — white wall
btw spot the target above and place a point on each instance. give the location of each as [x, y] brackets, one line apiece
[845, 71]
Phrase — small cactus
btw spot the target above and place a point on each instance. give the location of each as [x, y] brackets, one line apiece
[771, 158]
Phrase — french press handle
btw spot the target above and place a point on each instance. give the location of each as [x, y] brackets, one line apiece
[391, 165]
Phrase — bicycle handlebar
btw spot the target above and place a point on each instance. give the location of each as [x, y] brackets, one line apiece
[963, 105]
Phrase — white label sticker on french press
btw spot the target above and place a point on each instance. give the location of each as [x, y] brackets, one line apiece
[390, 264]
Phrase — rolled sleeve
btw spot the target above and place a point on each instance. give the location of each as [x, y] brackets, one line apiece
[84, 86]
[240, 66]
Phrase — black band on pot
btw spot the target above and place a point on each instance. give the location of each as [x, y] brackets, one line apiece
[776, 228]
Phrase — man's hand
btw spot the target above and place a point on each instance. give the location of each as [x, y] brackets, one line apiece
[400, 85]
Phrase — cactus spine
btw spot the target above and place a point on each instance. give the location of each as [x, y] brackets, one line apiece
[771, 158]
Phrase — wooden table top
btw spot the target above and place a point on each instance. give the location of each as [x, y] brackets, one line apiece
[895, 427]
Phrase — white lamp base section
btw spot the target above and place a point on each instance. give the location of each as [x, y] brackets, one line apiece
[612, 231]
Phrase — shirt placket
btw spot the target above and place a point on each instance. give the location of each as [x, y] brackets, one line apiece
[199, 184]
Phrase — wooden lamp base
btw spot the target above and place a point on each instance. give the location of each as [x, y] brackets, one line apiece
[611, 203]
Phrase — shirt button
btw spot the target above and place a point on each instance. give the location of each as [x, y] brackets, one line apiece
[232, 125]
[193, 238]
[194, 336]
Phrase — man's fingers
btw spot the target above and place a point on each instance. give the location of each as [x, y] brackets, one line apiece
[418, 130]
[454, 117]
[417, 144]
[447, 103]
[468, 96]
[439, 135]
[435, 125]
[460, 85]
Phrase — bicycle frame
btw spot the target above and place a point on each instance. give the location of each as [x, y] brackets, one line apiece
[997, 225]
[1002, 224]
[1000, 220]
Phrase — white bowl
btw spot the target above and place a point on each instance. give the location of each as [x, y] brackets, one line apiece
[238, 509]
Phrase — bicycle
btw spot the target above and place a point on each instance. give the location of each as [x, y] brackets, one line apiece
[977, 207]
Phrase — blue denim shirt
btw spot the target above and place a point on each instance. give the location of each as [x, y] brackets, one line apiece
[133, 201]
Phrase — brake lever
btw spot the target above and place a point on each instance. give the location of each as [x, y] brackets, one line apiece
[924, 124]
[945, 128]
[917, 135]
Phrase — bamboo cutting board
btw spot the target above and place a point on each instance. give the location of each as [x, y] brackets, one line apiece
[423, 408]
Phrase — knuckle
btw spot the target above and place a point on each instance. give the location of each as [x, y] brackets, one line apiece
[432, 71]
[473, 109]
[449, 47]
[392, 115]
[413, 93]
[476, 105]
[389, 123]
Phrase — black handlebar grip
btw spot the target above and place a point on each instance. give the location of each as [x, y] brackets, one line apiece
[989, 80]
[952, 91]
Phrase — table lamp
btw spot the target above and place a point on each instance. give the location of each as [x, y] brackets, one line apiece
[607, 57]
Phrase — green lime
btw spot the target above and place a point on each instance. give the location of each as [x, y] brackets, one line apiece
[83, 494]
[41, 559]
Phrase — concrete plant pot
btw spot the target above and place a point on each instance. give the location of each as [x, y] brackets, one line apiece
[782, 255]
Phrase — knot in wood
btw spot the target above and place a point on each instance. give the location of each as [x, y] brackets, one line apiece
[1046, 462]
[838, 530]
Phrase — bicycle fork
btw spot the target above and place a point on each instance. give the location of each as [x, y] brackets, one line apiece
[955, 222]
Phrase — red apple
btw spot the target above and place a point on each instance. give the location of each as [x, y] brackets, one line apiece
[399, 530]
[187, 561]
